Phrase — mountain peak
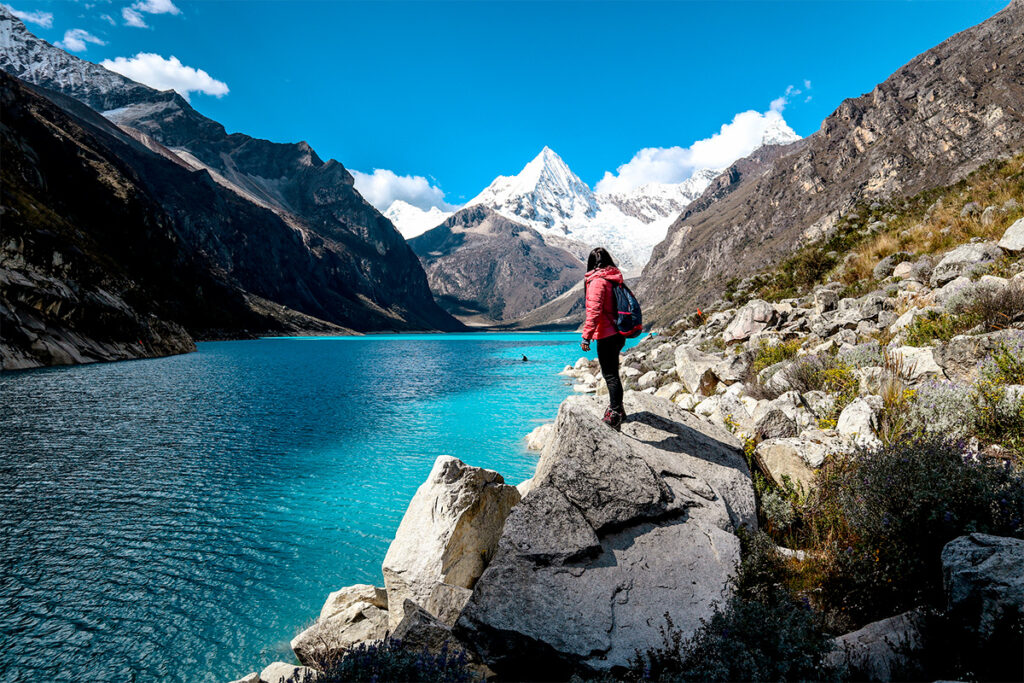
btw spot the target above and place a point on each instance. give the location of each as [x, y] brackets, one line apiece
[546, 193]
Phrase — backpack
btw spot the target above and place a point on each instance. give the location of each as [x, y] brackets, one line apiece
[629, 320]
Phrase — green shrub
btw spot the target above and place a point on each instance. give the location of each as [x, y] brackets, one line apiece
[770, 354]
[934, 326]
[747, 640]
[1006, 365]
[881, 518]
[389, 661]
[827, 373]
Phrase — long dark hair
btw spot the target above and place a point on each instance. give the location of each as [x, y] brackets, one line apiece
[599, 258]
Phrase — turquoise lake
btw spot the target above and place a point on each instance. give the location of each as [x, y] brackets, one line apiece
[181, 519]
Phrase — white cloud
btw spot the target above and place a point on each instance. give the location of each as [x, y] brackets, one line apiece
[109, 19]
[77, 39]
[156, 7]
[133, 18]
[44, 19]
[733, 141]
[166, 74]
[382, 187]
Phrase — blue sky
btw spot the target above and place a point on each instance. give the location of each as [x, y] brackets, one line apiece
[459, 92]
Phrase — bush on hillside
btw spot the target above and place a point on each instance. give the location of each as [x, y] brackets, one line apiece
[881, 518]
[390, 661]
[762, 633]
[770, 354]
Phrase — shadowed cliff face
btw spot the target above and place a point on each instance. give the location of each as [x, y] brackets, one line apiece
[484, 267]
[931, 123]
[309, 241]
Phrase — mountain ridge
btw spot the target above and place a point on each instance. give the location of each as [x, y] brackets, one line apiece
[937, 118]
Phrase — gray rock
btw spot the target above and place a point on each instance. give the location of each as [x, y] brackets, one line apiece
[961, 356]
[756, 316]
[648, 380]
[886, 266]
[251, 678]
[327, 639]
[280, 672]
[983, 576]
[989, 216]
[449, 532]
[902, 271]
[696, 370]
[1013, 239]
[537, 439]
[795, 458]
[446, 602]
[881, 650]
[954, 289]
[361, 593]
[859, 421]
[970, 210]
[918, 363]
[419, 630]
[734, 368]
[963, 260]
[825, 300]
[775, 425]
[618, 530]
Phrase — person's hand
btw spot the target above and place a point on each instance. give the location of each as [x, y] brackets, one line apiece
[585, 344]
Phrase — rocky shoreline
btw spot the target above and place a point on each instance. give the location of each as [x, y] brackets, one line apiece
[579, 568]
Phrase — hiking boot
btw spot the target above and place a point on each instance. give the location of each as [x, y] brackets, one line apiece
[613, 419]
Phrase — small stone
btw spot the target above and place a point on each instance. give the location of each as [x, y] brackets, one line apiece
[989, 216]
[970, 210]
[280, 672]
[1013, 238]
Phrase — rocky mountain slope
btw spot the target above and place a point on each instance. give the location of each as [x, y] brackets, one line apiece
[336, 258]
[94, 262]
[932, 122]
[485, 268]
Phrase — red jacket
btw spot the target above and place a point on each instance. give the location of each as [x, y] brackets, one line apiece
[601, 311]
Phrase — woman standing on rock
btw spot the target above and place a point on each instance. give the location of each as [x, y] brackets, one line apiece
[600, 325]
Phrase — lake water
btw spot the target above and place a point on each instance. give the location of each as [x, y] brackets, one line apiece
[181, 519]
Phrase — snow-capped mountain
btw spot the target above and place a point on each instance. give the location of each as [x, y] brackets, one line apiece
[413, 221]
[546, 194]
[549, 197]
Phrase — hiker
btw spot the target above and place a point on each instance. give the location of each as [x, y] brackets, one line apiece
[600, 325]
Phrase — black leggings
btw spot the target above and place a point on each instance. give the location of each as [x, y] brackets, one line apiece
[608, 350]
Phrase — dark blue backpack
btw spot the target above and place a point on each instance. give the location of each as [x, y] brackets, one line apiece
[628, 320]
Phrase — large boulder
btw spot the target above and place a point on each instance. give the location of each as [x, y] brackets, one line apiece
[449, 532]
[1013, 238]
[859, 421]
[983, 576]
[330, 637]
[964, 260]
[539, 437]
[361, 593]
[756, 316]
[695, 370]
[618, 530]
[881, 650]
[961, 356]
[918, 363]
[795, 458]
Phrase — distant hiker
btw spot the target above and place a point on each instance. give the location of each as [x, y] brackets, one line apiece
[602, 314]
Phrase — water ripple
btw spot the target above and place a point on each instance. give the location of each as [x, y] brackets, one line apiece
[180, 519]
